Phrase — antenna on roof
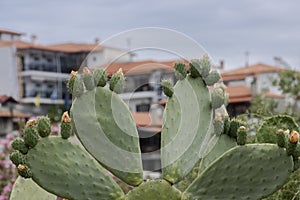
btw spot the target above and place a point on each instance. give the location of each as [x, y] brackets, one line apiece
[97, 40]
[247, 53]
[33, 38]
[128, 41]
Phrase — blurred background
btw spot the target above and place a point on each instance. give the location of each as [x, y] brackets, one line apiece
[254, 44]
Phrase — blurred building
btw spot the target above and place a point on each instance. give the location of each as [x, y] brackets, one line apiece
[246, 82]
[35, 74]
[9, 116]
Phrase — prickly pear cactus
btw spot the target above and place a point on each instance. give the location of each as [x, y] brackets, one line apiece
[27, 189]
[204, 152]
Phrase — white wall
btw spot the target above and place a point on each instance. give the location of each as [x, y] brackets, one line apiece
[264, 83]
[107, 55]
[9, 72]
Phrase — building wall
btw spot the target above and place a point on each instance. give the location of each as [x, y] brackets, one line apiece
[9, 37]
[264, 83]
[9, 72]
[107, 55]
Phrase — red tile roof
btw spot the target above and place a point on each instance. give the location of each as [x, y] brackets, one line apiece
[272, 95]
[64, 47]
[10, 32]
[75, 47]
[5, 98]
[140, 67]
[239, 94]
[252, 70]
[144, 119]
[17, 114]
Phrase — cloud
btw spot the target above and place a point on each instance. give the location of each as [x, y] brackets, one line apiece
[225, 28]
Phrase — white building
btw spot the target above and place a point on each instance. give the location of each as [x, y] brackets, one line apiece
[30, 70]
[246, 82]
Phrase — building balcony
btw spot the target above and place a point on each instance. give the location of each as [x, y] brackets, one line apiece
[32, 100]
[44, 76]
[138, 95]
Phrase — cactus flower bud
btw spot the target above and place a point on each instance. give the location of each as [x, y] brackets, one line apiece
[218, 124]
[30, 136]
[100, 77]
[88, 79]
[31, 122]
[167, 87]
[180, 70]
[117, 81]
[71, 80]
[24, 171]
[242, 135]
[217, 98]
[65, 126]
[43, 126]
[19, 144]
[294, 137]
[213, 77]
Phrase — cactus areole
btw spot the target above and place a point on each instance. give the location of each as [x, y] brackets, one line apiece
[204, 153]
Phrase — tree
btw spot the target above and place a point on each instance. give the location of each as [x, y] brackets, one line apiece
[289, 84]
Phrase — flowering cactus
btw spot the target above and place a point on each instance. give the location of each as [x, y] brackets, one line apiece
[196, 131]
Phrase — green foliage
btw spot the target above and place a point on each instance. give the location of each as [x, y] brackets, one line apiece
[290, 190]
[261, 106]
[289, 84]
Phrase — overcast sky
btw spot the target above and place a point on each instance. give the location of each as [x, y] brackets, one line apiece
[226, 29]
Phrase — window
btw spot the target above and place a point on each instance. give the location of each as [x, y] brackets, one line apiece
[143, 108]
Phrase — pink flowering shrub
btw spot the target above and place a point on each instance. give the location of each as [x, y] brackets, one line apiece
[8, 172]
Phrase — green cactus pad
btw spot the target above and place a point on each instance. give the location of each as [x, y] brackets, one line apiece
[185, 127]
[180, 70]
[30, 136]
[106, 128]
[223, 144]
[167, 87]
[245, 172]
[213, 77]
[19, 144]
[242, 136]
[17, 158]
[200, 67]
[65, 128]
[65, 169]
[27, 189]
[267, 132]
[88, 79]
[153, 190]
[100, 77]
[235, 124]
[78, 87]
[71, 80]
[217, 98]
[117, 82]
[43, 126]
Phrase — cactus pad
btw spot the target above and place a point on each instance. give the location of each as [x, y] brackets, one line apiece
[27, 189]
[154, 190]
[106, 128]
[244, 172]
[223, 144]
[185, 126]
[68, 171]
